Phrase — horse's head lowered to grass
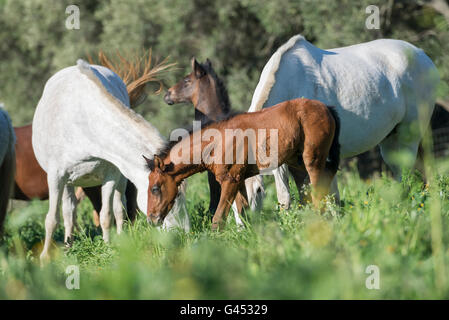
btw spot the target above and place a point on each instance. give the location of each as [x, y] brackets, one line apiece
[162, 189]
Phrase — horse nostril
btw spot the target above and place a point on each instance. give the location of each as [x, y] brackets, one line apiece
[167, 98]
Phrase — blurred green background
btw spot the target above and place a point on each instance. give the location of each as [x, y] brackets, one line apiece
[237, 35]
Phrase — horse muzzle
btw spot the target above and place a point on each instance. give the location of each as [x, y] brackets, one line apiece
[168, 99]
[154, 219]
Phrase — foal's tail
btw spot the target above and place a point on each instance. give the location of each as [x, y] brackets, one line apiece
[333, 161]
[7, 171]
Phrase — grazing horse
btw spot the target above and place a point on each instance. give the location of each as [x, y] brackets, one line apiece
[31, 179]
[208, 94]
[384, 92]
[7, 163]
[302, 133]
[85, 134]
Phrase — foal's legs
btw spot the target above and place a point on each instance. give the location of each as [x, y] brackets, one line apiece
[55, 188]
[107, 193]
[299, 175]
[228, 193]
[320, 176]
[214, 191]
[69, 202]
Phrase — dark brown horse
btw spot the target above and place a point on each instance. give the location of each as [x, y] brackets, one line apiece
[31, 179]
[302, 133]
[207, 92]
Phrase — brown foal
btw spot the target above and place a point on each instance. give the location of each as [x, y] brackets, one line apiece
[207, 92]
[306, 132]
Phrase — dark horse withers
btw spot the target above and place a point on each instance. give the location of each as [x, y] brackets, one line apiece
[307, 141]
[206, 91]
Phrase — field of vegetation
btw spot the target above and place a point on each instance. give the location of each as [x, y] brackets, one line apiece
[400, 227]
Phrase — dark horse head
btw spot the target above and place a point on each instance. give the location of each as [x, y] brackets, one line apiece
[204, 89]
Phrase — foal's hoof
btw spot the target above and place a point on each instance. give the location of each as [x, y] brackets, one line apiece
[217, 226]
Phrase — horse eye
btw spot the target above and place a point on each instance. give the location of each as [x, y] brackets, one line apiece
[186, 80]
[155, 190]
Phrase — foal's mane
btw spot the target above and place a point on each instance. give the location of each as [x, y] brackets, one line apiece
[190, 130]
[135, 71]
[220, 87]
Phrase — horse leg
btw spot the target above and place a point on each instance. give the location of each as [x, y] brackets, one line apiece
[320, 176]
[282, 187]
[55, 188]
[69, 202]
[400, 142]
[334, 190]
[299, 175]
[119, 203]
[131, 200]
[214, 191]
[255, 192]
[228, 193]
[107, 195]
[94, 195]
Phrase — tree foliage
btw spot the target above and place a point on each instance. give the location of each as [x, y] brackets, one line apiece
[237, 35]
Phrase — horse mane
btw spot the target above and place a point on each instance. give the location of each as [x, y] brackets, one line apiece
[190, 130]
[153, 135]
[135, 72]
[261, 94]
[220, 87]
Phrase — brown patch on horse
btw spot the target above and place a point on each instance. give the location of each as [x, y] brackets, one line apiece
[31, 179]
[307, 132]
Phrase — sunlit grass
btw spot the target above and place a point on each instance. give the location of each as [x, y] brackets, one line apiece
[281, 254]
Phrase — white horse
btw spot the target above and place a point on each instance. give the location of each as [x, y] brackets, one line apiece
[384, 91]
[7, 162]
[85, 134]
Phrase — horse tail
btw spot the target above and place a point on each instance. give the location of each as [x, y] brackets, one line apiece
[136, 73]
[333, 160]
[7, 171]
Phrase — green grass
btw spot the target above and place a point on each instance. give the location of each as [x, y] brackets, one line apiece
[281, 254]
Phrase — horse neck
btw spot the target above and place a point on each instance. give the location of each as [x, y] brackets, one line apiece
[210, 105]
[123, 145]
[183, 170]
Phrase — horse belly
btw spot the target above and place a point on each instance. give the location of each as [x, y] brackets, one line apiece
[89, 173]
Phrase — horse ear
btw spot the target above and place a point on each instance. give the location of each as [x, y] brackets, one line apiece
[150, 163]
[158, 163]
[209, 63]
[197, 69]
